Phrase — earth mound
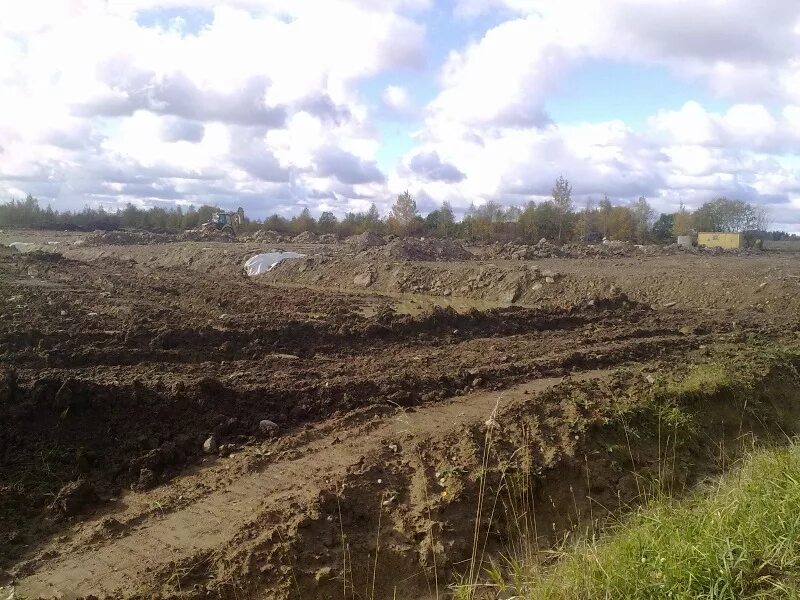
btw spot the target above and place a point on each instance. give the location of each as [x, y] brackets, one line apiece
[426, 249]
[368, 239]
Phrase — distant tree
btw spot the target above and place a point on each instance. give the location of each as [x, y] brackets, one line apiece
[662, 228]
[327, 222]
[723, 214]
[562, 201]
[643, 216]
[403, 214]
[622, 224]
[303, 222]
[446, 220]
[604, 212]
[682, 222]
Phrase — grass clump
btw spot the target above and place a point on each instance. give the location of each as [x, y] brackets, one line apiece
[740, 539]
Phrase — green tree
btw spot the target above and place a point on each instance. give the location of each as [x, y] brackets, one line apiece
[643, 216]
[682, 222]
[562, 202]
[404, 213]
[446, 220]
[662, 228]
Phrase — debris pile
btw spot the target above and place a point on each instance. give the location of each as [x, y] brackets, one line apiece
[127, 238]
[267, 235]
[307, 237]
[206, 234]
[368, 239]
[426, 249]
[609, 249]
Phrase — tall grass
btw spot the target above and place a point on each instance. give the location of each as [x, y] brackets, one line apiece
[739, 539]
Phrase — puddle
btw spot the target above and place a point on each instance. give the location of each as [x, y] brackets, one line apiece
[261, 263]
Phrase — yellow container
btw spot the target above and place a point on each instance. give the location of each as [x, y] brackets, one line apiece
[720, 240]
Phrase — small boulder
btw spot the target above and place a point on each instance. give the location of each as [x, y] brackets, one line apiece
[210, 445]
[267, 426]
[74, 497]
[147, 479]
[363, 280]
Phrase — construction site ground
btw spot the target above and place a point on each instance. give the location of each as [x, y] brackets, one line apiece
[170, 427]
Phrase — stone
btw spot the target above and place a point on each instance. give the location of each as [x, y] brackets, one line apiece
[364, 280]
[147, 479]
[74, 497]
[267, 426]
[323, 574]
[210, 445]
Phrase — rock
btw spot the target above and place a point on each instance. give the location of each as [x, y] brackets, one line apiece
[364, 280]
[210, 445]
[549, 280]
[323, 574]
[267, 426]
[147, 479]
[650, 378]
[74, 497]
[669, 304]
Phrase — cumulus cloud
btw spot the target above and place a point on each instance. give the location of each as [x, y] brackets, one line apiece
[346, 167]
[429, 166]
[181, 130]
[272, 104]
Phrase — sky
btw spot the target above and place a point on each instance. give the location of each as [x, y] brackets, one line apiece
[278, 105]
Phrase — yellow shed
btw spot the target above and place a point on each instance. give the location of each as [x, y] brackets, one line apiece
[720, 240]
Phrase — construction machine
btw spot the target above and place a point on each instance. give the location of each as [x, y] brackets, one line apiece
[226, 222]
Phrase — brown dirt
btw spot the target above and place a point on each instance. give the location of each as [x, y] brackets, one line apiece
[120, 361]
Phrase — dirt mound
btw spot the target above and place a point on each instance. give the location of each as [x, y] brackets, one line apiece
[206, 234]
[267, 235]
[368, 239]
[328, 238]
[307, 237]
[609, 249]
[426, 249]
[127, 238]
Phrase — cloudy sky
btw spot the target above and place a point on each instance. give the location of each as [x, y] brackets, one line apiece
[275, 105]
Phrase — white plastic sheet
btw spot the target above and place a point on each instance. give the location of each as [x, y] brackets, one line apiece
[261, 263]
[22, 246]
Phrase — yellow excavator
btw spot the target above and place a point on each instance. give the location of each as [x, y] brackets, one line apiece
[226, 222]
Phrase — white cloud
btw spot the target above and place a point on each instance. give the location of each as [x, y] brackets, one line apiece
[256, 97]
[258, 101]
[396, 99]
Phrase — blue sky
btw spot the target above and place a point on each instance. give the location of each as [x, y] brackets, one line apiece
[279, 104]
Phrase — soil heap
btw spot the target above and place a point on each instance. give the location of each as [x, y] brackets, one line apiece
[426, 249]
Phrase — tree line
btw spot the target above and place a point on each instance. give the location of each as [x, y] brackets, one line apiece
[556, 219]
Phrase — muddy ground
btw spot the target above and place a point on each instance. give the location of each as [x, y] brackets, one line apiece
[170, 427]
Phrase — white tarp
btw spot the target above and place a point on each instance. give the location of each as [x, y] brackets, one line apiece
[261, 263]
[21, 246]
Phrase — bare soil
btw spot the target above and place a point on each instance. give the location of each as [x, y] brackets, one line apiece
[134, 380]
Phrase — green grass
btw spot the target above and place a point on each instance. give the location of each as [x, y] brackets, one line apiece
[740, 539]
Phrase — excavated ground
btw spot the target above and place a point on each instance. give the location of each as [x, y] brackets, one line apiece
[119, 363]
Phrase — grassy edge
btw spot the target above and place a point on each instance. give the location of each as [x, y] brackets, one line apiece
[729, 381]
